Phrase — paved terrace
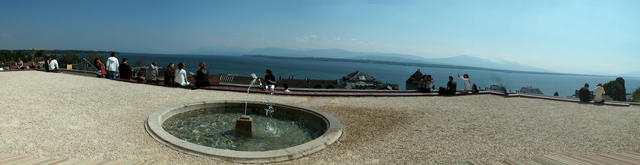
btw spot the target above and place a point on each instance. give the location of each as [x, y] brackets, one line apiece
[59, 116]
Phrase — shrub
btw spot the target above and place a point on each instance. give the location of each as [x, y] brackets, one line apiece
[636, 95]
[615, 90]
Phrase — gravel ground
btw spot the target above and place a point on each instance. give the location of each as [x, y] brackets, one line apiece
[68, 116]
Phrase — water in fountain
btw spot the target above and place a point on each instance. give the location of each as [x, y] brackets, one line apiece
[217, 129]
[270, 128]
[253, 75]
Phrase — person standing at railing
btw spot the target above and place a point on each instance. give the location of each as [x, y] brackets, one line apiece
[112, 66]
[98, 65]
[154, 71]
[125, 69]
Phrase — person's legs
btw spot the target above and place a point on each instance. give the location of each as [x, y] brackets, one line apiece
[272, 87]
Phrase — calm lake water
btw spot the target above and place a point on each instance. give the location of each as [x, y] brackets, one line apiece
[565, 85]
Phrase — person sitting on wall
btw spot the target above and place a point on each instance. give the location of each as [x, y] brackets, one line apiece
[141, 78]
[451, 86]
[20, 64]
[53, 64]
[474, 89]
[450, 90]
[584, 94]
[46, 64]
[169, 75]
[599, 94]
[270, 80]
[202, 77]
[426, 84]
[467, 82]
[181, 75]
[286, 87]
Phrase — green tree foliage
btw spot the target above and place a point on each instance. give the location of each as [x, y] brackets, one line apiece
[26, 55]
[39, 53]
[636, 95]
[615, 90]
[69, 58]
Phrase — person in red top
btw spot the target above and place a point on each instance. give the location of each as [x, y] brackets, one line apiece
[100, 67]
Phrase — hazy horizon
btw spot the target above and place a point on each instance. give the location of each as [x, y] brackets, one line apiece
[585, 37]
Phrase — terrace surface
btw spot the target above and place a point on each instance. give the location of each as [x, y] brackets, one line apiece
[57, 115]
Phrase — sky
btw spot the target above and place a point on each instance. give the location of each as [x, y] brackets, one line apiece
[571, 36]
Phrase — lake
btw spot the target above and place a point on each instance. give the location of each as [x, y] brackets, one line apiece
[564, 84]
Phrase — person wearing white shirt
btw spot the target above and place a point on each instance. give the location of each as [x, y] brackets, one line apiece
[599, 94]
[181, 75]
[112, 66]
[154, 71]
[467, 82]
[53, 64]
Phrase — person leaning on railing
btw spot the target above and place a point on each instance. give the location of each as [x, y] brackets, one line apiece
[125, 70]
[112, 66]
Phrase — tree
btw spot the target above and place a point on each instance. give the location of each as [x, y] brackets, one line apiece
[615, 90]
[69, 58]
[39, 53]
[636, 95]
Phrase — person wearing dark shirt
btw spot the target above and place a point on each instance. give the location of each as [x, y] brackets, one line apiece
[584, 94]
[125, 69]
[202, 76]
[270, 80]
[451, 86]
[169, 75]
[46, 64]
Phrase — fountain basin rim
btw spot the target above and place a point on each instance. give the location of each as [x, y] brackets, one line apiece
[153, 125]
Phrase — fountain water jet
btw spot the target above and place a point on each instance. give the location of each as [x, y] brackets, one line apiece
[244, 123]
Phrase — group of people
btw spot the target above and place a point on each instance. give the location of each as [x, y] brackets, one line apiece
[51, 65]
[598, 94]
[172, 76]
[426, 85]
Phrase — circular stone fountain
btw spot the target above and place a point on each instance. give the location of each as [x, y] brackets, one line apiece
[208, 129]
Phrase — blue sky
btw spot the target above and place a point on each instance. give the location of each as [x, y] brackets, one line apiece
[578, 36]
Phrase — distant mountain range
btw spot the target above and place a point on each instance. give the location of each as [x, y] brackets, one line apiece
[632, 74]
[462, 60]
